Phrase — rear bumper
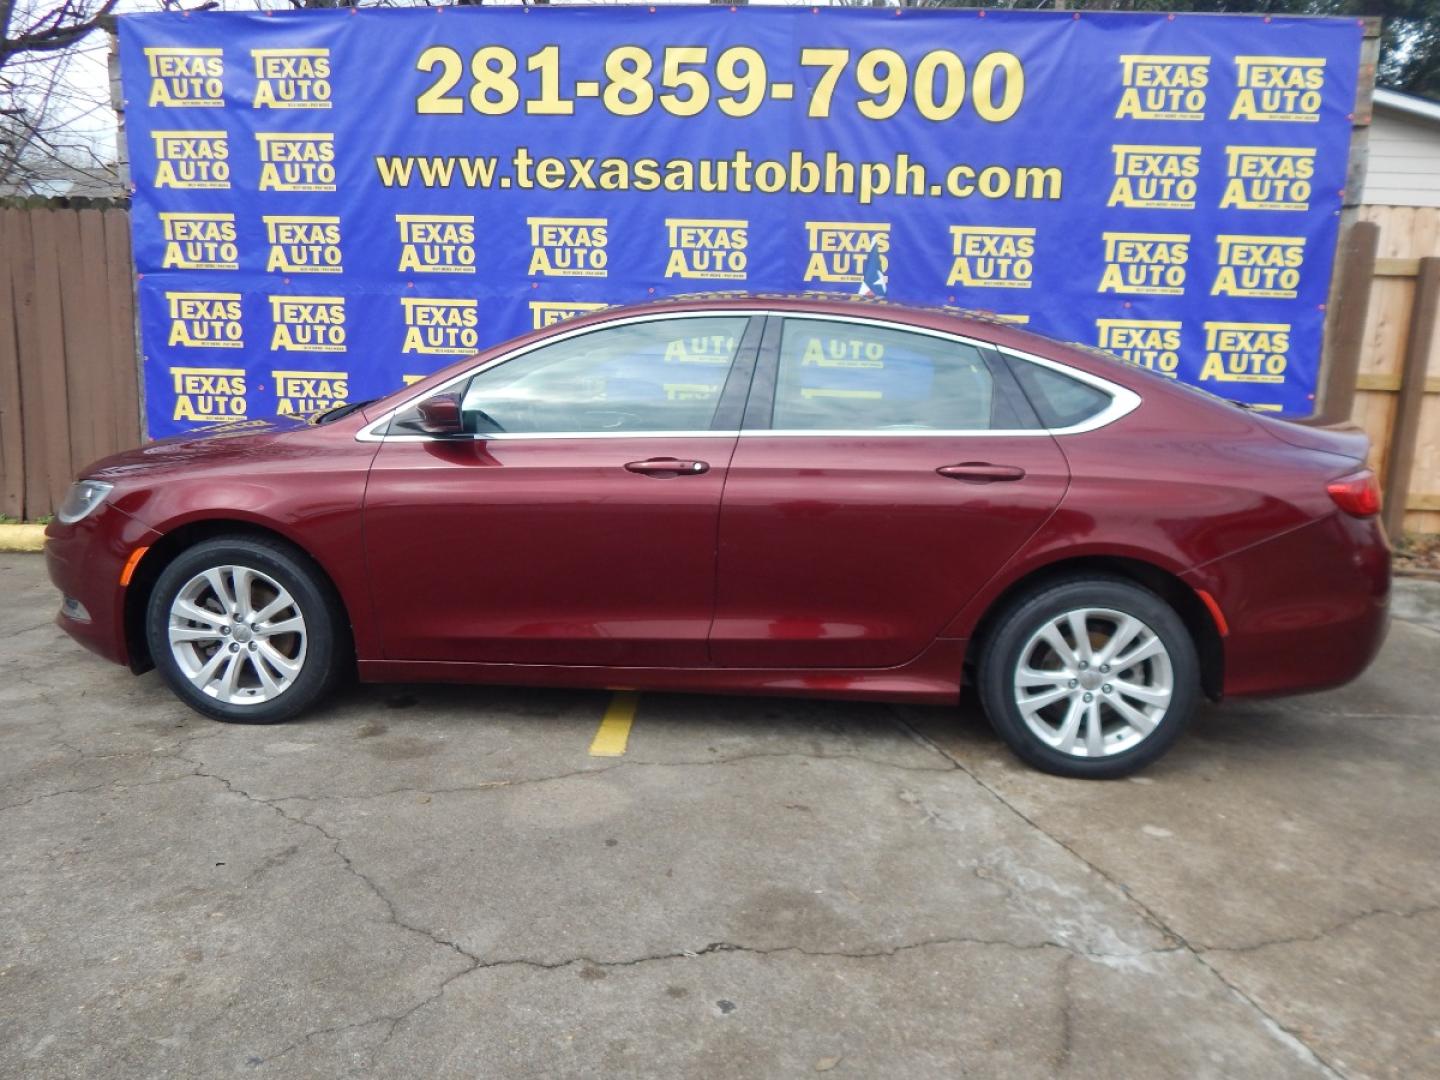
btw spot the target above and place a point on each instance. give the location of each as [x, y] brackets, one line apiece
[1307, 610]
[85, 561]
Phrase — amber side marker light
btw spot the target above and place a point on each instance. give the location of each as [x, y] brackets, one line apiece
[1215, 613]
[133, 561]
[1358, 494]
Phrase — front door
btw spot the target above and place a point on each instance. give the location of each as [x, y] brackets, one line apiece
[889, 476]
[575, 521]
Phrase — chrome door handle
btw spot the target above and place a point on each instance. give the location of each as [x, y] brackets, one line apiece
[668, 467]
[981, 472]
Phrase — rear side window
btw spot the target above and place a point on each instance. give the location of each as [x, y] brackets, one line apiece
[842, 376]
[1059, 400]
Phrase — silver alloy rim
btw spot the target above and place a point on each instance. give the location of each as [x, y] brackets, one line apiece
[1093, 682]
[237, 635]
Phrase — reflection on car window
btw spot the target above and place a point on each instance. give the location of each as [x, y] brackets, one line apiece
[1060, 400]
[664, 375]
[855, 377]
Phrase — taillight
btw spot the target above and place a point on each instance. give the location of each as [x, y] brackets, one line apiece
[1357, 494]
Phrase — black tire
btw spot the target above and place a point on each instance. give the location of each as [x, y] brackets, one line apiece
[1027, 615]
[328, 651]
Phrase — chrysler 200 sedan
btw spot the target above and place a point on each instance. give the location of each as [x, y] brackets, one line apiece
[758, 495]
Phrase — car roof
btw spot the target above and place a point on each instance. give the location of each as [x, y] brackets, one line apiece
[984, 325]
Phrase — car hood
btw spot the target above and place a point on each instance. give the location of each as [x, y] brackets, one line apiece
[239, 440]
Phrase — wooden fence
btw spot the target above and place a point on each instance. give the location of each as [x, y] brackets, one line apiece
[69, 382]
[1400, 351]
[69, 386]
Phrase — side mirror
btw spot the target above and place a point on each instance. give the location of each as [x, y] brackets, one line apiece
[440, 415]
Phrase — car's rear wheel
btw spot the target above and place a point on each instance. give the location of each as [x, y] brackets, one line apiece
[1092, 677]
[245, 630]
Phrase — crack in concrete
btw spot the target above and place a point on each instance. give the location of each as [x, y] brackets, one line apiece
[488, 785]
[335, 847]
[1320, 935]
[1067, 1025]
[19, 674]
[846, 954]
[485, 785]
[712, 949]
[471, 961]
[53, 795]
[1308, 710]
[393, 1022]
[1286, 1035]
[48, 623]
[319, 1032]
[118, 785]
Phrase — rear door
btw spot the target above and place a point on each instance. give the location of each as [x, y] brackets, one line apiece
[882, 476]
[575, 520]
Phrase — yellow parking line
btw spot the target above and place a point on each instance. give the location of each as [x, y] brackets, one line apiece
[614, 732]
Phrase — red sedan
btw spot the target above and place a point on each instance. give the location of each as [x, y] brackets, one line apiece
[767, 495]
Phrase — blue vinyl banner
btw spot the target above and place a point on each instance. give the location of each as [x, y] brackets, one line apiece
[331, 203]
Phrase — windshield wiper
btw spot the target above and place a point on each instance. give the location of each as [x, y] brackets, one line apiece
[340, 412]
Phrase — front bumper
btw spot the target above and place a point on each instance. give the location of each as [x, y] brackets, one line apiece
[1307, 610]
[85, 561]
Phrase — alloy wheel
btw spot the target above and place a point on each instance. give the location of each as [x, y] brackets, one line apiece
[1093, 682]
[237, 635]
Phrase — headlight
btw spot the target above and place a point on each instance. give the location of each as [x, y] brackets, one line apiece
[83, 497]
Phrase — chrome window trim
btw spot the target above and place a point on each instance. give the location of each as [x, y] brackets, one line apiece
[550, 435]
[1123, 401]
[894, 433]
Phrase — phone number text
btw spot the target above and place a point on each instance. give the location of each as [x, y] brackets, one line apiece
[685, 80]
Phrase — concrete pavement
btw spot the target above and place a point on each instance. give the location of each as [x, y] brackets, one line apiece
[442, 881]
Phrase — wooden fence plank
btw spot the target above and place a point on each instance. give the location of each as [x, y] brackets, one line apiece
[79, 340]
[1405, 435]
[1408, 234]
[1386, 324]
[12, 436]
[27, 338]
[1384, 341]
[93, 334]
[1397, 267]
[50, 357]
[1388, 384]
[95, 338]
[121, 333]
[1426, 467]
[1346, 325]
[1375, 413]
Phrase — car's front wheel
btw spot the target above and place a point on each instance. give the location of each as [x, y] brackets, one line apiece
[245, 630]
[1091, 677]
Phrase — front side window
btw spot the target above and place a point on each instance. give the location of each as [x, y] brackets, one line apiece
[858, 377]
[662, 375]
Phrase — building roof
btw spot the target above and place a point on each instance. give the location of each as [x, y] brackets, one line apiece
[1418, 107]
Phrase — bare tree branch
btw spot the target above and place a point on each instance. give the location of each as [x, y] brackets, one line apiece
[57, 29]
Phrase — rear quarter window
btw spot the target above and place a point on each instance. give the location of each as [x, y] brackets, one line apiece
[1059, 400]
